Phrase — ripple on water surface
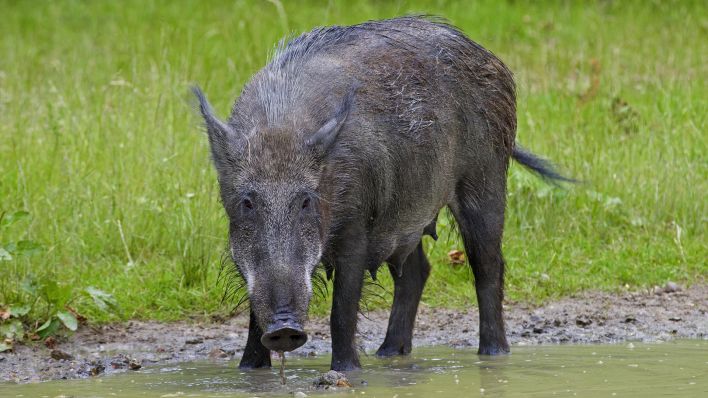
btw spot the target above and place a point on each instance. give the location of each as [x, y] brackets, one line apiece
[678, 368]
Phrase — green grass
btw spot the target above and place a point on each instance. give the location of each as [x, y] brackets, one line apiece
[99, 142]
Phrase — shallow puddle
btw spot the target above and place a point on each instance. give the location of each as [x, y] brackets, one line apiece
[677, 368]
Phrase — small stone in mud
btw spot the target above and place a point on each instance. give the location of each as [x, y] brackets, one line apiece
[134, 364]
[50, 342]
[332, 379]
[299, 394]
[583, 321]
[96, 369]
[671, 287]
[124, 361]
[194, 340]
[218, 353]
[675, 319]
[61, 355]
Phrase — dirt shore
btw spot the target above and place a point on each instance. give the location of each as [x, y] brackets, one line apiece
[660, 314]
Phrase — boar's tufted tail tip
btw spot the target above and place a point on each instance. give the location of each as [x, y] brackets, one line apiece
[539, 165]
[201, 102]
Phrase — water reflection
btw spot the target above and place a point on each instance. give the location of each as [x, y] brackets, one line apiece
[677, 368]
[493, 375]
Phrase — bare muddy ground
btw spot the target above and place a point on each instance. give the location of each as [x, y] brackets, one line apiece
[660, 314]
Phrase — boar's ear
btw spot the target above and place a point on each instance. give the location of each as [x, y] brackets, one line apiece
[323, 139]
[221, 135]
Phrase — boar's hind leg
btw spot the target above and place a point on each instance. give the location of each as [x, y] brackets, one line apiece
[407, 291]
[255, 355]
[479, 211]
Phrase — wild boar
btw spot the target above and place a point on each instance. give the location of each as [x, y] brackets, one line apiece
[342, 151]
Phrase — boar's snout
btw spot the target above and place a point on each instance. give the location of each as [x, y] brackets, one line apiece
[284, 334]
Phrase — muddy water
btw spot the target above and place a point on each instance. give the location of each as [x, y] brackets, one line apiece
[677, 368]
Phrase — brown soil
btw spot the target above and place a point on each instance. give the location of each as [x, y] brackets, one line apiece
[660, 314]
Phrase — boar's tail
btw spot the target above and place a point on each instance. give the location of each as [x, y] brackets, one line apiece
[539, 165]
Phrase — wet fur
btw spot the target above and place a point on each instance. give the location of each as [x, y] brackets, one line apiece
[425, 117]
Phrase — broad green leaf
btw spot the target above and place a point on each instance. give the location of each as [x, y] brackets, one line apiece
[30, 286]
[51, 328]
[5, 255]
[12, 329]
[55, 293]
[68, 319]
[11, 247]
[104, 301]
[19, 310]
[27, 247]
[44, 325]
[5, 347]
[50, 290]
[22, 248]
[12, 218]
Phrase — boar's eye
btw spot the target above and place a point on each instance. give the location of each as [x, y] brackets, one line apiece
[246, 205]
[305, 202]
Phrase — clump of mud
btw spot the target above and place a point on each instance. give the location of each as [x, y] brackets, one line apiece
[331, 379]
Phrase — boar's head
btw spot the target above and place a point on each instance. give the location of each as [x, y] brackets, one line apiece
[269, 178]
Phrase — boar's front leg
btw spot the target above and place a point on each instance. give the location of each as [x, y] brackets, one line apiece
[255, 355]
[349, 267]
[408, 288]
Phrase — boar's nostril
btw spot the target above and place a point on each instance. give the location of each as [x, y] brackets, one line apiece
[284, 338]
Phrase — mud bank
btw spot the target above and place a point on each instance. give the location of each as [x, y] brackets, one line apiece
[660, 314]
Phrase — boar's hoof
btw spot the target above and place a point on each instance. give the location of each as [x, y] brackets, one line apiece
[391, 350]
[493, 349]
